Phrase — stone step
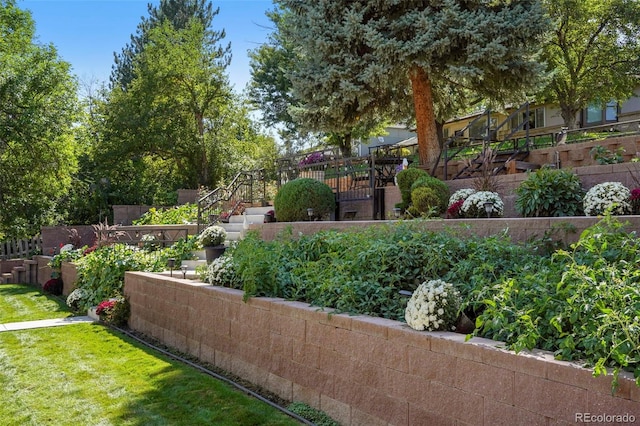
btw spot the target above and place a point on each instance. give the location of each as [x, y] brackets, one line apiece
[257, 210]
[233, 227]
[6, 278]
[19, 274]
[234, 236]
[253, 218]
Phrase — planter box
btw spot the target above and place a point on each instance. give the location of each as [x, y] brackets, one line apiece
[365, 370]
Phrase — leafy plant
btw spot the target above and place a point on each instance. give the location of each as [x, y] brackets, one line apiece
[550, 193]
[317, 417]
[604, 156]
[186, 213]
[295, 197]
[101, 272]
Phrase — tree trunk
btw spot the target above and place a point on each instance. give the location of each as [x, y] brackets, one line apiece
[428, 146]
[568, 114]
[345, 145]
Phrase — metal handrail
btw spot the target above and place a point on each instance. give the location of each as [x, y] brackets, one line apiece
[242, 189]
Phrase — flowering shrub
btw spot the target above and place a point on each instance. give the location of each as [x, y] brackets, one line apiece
[433, 306]
[457, 200]
[613, 196]
[635, 201]
[114, 311]
[313, 158]
[221, 271]
[473, 206]
[76, 299]
[214, 235]
[53, 286]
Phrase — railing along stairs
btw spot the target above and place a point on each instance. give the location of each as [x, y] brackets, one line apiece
[502, 152]
[246, 187]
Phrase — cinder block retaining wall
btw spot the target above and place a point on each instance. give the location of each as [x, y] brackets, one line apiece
[368, 371]
[519, 229]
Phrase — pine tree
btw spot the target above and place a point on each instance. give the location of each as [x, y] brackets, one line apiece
[359, 56]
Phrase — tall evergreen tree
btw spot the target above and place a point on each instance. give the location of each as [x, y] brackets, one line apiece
[178, 13]
[359, 54]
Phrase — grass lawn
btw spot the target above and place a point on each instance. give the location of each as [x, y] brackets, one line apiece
[25, 303]
[85, 374]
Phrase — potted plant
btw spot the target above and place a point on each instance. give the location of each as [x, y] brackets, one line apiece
[212, 240]
[309, 168]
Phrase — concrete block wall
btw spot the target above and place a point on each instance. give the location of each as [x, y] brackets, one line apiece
[519, 229]
[368, 371]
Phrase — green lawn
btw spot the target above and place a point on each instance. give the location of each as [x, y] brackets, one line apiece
[85, 374]
[25, 303]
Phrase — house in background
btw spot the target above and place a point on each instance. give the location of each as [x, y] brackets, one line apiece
[544, 119]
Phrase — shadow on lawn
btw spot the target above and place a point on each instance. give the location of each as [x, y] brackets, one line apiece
[182, 395]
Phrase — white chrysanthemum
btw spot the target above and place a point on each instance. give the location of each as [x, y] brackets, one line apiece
[461, 194]
[474, 205]
[607, 195]
[433, 306]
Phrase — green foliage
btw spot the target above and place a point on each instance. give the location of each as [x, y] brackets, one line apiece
[101, 272]
[437, 48]
[405, 179]
[295, 197]
[591, 54]
[425, 202]
[604, 156]
[186, 213]
[550, 193]
[582, 304]
[317, 417]
[38, 112]
[436, 199]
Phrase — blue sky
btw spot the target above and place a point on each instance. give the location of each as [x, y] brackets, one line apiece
[88, 32]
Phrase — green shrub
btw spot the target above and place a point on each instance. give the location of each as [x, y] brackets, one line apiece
[425, 202]
[405, 179]
[295, 197]
[178, 215]
[440, 190]
[550, 193]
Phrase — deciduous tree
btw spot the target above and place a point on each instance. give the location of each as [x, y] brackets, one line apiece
[38, 107]
[593, 53]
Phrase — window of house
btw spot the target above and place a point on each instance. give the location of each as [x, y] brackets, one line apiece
[536, 118]
[596, 114]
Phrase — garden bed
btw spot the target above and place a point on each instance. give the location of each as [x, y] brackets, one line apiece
[366, 370]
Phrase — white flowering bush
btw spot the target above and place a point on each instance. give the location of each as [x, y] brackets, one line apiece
[221, 271]
[613, 196]
[433, 306]
[461, 195]
[213, 235]
[474, 205]
[76, 299]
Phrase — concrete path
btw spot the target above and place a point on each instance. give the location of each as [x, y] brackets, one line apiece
[13, 326]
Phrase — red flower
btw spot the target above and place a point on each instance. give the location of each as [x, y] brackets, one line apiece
[453, 211]
[635, 194]
[105, 306]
